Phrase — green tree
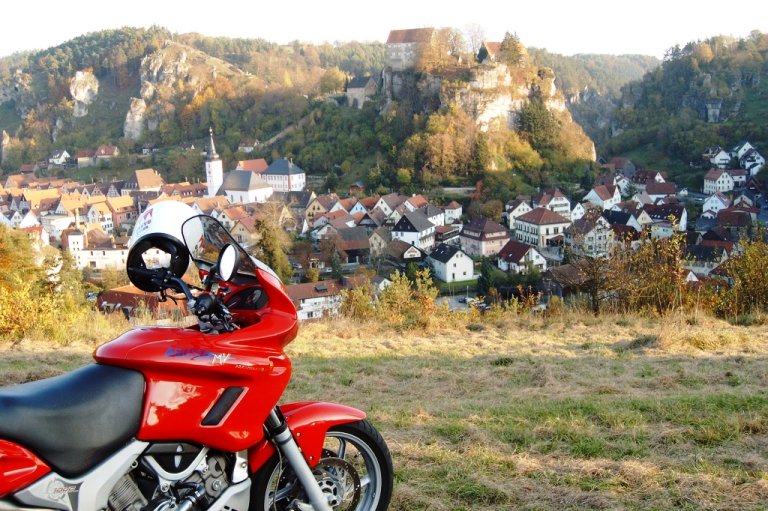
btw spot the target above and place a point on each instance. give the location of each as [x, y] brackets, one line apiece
[489, 280]
[270, 250]
[538, 125]
[512, 51]
[336, 268]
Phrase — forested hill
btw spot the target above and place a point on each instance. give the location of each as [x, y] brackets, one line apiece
[592, 84]
[131, 87]
[706, 93]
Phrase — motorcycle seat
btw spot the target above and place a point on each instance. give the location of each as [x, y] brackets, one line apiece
[74, 421]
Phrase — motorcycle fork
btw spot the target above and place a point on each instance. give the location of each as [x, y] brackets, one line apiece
[278, 430]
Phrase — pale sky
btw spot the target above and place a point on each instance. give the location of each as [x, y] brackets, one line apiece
[646, 27]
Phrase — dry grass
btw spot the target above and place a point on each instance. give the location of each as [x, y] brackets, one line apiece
[569, 412]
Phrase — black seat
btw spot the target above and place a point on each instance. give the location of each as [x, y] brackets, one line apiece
[74, 421]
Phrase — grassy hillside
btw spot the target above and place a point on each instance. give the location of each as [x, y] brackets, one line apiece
[560, 413]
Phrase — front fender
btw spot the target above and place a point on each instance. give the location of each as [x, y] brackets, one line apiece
[309, 421]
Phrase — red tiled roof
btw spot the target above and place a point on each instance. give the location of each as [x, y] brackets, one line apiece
[713, 175]
[299, 292]
[543, 216]
[258, 165]
[514, 251]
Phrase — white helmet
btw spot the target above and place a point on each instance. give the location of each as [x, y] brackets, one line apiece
[157, 242]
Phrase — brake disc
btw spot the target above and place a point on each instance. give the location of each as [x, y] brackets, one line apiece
[339, 482]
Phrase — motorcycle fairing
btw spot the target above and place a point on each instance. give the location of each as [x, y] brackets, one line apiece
[88, 492]
[76, 420]
[18, 467]
[309, 421]
[189, 377]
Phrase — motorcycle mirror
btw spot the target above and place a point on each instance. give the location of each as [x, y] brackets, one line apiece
[229, 258]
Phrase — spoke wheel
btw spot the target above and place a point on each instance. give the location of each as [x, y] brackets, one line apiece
[355, 474]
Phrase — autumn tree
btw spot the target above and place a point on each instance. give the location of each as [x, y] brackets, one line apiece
[749, 292]
[651, 275]
[270, 250]
[332, 81]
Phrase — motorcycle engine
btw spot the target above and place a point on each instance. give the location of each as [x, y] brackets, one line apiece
[175, 476]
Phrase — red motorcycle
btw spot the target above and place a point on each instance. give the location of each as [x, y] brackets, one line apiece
[181, 419]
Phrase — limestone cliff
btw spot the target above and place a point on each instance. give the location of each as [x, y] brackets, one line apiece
[84, 89]
[18, 89]
[167, 73]
[489, 93]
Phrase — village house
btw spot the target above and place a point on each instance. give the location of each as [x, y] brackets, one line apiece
[513, 209]
[354, 243]
[433, 214]
[448, 234]
[624, 218]
[740, 149]
[539, 226]
[752, 162]
[591, 236]
[516, 257]
[100, 213]
[284, 176]
[641, 178]
[739, 177]
[554, 200]
[717, 180]
[483, 237]
[388, 203]
[148, 148]
[604, 196]
[399, 254]
[373, 220]
[59, 157]
[453, 212]
[721, 159]
[320, 205]
[660, 191]
[415, 228]
[702, 259]
[488, 52]
[245, 232]
[105, 153]
[338, 218]
[378, 240]
[143, 180]
[315, 300]
[562, 281]
[623, 166]
[360, 89]
[450, 264]
[667, 218]
[714, 203]
[297, 203]
[85, 158]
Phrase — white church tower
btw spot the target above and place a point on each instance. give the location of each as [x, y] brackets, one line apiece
[214, 170]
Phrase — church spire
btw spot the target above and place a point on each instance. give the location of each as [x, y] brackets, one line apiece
[211, 148]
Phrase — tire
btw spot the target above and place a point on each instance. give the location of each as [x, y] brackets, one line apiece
[360, 447]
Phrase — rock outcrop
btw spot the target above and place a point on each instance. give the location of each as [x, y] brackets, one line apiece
[166, 73]
[488, 93]
[134, 119]
[84, 89]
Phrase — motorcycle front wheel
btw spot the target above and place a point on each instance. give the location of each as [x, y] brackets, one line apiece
[355, 474]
